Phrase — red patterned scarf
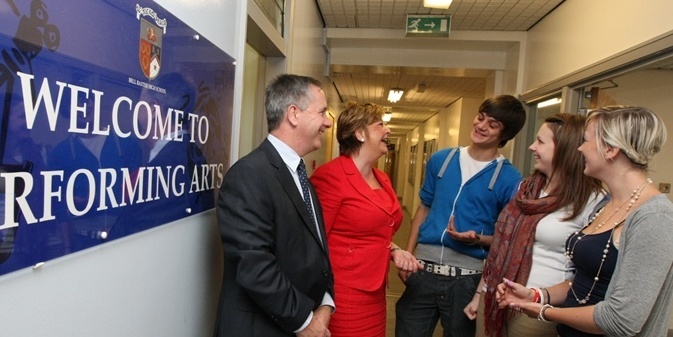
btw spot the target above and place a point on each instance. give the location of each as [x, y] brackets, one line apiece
[511, 253]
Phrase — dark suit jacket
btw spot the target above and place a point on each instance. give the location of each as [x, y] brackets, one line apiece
[276, 270]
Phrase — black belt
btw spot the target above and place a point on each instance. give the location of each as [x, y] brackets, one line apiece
[446, 270]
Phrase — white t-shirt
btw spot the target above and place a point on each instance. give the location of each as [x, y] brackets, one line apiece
[470, 166]
[550, 265]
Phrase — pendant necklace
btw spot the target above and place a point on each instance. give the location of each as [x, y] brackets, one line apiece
[635, 195]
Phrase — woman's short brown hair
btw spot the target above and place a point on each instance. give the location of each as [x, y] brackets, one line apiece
[355, 117]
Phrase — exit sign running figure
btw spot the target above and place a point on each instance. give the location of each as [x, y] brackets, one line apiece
[428, 25]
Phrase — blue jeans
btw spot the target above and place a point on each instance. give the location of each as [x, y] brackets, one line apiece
[429, 297]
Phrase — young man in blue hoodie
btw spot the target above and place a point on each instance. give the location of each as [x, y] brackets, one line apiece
[464, 190]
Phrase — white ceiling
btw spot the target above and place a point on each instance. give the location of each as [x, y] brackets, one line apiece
[442, 86]
[505, 15]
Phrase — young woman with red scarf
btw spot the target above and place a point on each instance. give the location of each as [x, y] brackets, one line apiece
[528, 245]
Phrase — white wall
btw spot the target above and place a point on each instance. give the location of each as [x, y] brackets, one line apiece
[468, 111]
[449, 125]
[410, 196]
[580, 33]
[162, 282]
[305, 53]
[306, 56]
[390, 47]
[651, 89]
[254, 109]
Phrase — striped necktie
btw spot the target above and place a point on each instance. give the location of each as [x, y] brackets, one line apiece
[303, 181]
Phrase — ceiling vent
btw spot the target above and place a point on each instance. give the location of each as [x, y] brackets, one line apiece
[420, 88]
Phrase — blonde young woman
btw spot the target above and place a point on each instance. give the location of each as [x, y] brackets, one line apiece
[553, 202]
[635, 229]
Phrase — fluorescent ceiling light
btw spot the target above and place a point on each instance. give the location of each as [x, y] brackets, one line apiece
[548, 102]
[443, 4]
[395, 95]
[387, 117]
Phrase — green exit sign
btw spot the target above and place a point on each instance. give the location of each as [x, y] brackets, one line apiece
[428, 25]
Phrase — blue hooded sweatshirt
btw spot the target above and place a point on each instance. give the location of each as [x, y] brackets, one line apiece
[474, 205]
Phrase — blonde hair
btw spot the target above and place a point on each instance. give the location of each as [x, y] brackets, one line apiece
[636, 131]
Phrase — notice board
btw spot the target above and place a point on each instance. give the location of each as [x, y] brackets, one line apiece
[115, 119]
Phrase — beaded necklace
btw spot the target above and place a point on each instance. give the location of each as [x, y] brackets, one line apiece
[633, 198]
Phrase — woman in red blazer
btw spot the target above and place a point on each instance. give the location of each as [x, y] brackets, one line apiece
[361, 215]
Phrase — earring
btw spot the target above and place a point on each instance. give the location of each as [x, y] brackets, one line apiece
[361, 140]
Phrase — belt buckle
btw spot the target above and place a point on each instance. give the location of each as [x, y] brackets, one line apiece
[444, 270]
[428, 267]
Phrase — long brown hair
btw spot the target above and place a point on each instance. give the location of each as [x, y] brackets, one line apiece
[572, 186]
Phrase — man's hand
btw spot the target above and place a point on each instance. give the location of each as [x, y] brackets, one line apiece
[319, 323]
[471, 308]
[470, 237]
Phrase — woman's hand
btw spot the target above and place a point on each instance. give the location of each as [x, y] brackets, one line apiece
[509, 292]
[531, 309]
[405, 261]
[517, 297]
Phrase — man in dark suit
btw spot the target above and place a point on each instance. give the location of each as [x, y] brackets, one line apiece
[277, 277]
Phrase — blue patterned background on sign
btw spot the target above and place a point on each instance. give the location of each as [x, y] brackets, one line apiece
[92, 148]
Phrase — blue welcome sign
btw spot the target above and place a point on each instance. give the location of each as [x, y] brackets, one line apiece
[115, 118]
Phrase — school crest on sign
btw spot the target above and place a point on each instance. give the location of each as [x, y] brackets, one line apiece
[151, 36]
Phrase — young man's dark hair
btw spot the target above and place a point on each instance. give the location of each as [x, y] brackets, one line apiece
[507, 110]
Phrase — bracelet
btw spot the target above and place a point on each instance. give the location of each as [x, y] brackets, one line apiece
[540, 316]
[548, 296]
[539, 291]
[394, 249]
[536, 295]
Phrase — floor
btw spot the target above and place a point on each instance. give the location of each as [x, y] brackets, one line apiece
[395, 285]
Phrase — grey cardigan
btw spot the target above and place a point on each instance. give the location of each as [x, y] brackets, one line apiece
[638, 299]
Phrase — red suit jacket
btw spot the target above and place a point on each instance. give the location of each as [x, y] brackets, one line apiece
[359, 228]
